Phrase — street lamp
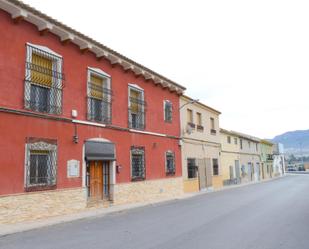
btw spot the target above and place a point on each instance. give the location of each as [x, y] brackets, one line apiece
[190, 102]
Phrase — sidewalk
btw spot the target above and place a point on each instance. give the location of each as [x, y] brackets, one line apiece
[6, 229]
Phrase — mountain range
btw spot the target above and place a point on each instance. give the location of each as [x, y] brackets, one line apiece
[295, 142]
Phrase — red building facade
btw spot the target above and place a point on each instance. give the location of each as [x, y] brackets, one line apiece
[80, 119]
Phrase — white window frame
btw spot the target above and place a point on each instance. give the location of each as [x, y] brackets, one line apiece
[173, 153]
[39, 146]
[164, 105]
[136, 88]
[57, 64]
[212, 163]
[106, 79]
[131, 165]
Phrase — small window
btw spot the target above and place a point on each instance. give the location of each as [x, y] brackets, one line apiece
[192, 168]
[138, 163]
[170, 163]
[43, 80]
[168, 111]
[189, 116]
[240, 142]
[41, 168]
[199, 125]
[99, 97]
[256, 147]
[38, 169]
[229, 139]
[212, 123]
[235, 140]
[199, 118]
[249, 144]
[215, 166]
[136, 108]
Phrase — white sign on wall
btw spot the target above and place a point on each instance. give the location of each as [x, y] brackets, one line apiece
[73, 168]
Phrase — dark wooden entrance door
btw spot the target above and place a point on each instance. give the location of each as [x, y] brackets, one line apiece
[96, 180]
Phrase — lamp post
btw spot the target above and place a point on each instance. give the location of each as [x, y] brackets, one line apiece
[190, 102]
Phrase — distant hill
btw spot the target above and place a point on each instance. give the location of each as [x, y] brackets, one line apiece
[296, 142]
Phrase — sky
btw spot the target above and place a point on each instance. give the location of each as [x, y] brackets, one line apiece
[247, 59]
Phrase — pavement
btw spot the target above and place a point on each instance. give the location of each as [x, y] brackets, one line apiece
[269, 215]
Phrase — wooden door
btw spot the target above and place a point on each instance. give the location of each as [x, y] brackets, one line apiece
[208, 172]
[96, 180]
[202, 173]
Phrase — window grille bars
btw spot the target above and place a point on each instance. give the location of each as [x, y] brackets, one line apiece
[138, 163]
[99, 108]
[43, 81]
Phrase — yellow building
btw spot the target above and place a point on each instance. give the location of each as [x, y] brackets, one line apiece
[200, 145]
[230, 156]
[240, 157]
[266, 159]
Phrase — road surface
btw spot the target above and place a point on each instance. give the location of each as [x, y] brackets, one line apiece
[269, 215]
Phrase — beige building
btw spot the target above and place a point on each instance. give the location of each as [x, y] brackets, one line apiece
[240, 157]
[200, 145]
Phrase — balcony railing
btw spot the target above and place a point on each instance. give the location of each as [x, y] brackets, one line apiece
[44, 81]
[213, 132]
[199, 128]
[192, 125]
[136, 113]
[138, 101]
[99, 103]
[270, 157]
[136, 119]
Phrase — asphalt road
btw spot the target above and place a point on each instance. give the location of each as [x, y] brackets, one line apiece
[270, 215]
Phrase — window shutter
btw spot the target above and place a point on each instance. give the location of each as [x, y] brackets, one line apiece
[134, 103]
[42, 73]
[96, 88]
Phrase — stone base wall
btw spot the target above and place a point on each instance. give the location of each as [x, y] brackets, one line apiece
[147, 191]
[217, 182]
[191, 185]
[36, 205]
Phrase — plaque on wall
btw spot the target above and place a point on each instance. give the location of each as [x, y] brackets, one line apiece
[73, 168]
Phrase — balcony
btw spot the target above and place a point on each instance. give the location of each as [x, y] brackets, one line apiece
[213, 132]
[44, 81]
[192, 125]
[200, 128]
[269, 157]
[99, 104]
[136, 119]
[136, 111]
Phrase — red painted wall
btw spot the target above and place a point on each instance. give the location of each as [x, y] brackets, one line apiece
[15, 128]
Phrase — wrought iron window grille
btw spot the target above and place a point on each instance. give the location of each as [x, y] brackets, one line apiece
[41, 166]
[99, 107]
[170, 163]
[168, 110]
[137, 113]
[137, 163]
[44, 81]
[200, 127]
